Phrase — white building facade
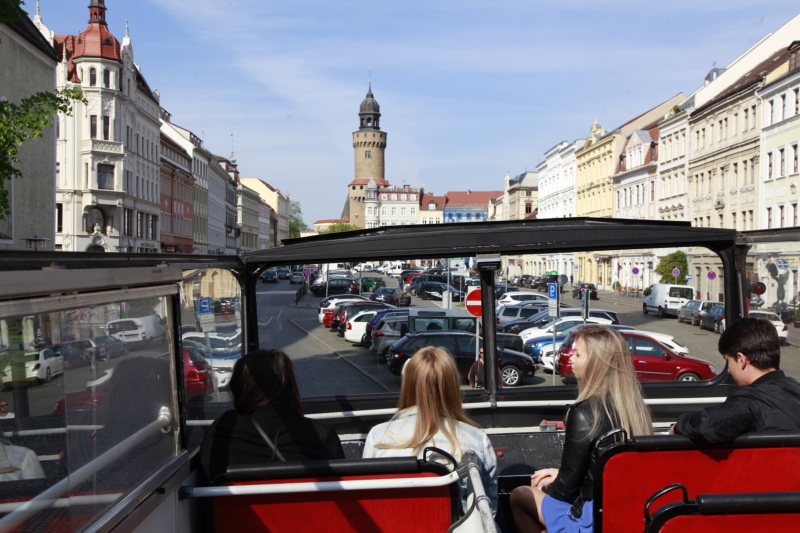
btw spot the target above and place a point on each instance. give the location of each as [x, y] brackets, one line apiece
[107, 155]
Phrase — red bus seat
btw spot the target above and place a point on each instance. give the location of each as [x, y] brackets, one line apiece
[628, 474]
[723, 513]
[391, 510]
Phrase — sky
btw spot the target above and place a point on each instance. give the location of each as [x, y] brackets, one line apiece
[468, 89]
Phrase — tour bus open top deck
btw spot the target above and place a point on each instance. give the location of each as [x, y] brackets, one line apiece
[118, 450]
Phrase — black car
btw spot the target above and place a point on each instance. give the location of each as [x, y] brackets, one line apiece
[269, 276]
[390, 295]
[284, 273]
[591, 287]
[514, 366]
[712, 320]
[335, 286]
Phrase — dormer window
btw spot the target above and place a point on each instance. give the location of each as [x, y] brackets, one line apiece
[92, 77]
[432, 205]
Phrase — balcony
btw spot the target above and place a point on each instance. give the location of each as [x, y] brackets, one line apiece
[97, 145]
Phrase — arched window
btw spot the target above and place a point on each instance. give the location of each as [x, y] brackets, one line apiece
[107, 78]
[92, 77]
[95, 218]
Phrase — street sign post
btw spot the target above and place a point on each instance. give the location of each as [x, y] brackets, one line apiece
[783, 264]
[473, 302]
[689, 277]
[307, 272]
[585, 297]
[711, 275]
[553, 304]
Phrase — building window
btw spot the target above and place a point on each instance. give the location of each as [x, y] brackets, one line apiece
[769, 166]
[153, 227]
[794, 214]
[424, 220]
[383, 211]
[106, 127]
[105, 176]
[127, 222]
[431, 205]
[92, 77]
[770, 112]
[782, 156]
[528, 208]
[769, 218]
[652, 191]
[139, 224]
[383, 197]
[797, 101]
[93, 126]
[394, 211]
[59, 218]
[95, 220]
[106, 78]
[794, 159]
[58, 126]
[780, 216]
[746, 119]
[367, 154]
[413, 211]
[394, 197]
[402, 211]
[369, 210]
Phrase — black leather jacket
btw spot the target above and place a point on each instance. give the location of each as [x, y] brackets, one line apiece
[770, 403]
[574, 481]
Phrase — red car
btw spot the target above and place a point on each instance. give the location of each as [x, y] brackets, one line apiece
[197, 373]
[652, 361]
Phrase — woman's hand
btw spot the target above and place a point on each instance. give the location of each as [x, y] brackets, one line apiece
[543, 477]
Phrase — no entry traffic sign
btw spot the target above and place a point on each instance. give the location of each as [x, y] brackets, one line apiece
[474, 306]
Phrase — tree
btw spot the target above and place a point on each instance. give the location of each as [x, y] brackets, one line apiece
[336, 227]
[296, 224]
[668, 263]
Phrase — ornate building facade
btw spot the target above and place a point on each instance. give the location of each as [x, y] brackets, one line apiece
[108, 185]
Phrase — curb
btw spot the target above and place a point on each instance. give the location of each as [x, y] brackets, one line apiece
[340, 356]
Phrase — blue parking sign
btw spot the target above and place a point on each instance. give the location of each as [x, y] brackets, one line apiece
[552, 291]
[204, 306]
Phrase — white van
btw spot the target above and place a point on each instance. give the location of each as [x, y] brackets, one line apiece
[666, 299]
[142, 331]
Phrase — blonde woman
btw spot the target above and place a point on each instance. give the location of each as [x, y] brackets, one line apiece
[610, 397]
[430, 414]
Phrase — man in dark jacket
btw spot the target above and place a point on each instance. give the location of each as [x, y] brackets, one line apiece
[766, 399]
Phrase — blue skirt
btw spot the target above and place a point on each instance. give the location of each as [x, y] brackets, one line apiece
[559, 519]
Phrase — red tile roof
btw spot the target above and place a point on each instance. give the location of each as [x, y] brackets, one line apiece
[332, 220]
[440, 201]
[470, 197]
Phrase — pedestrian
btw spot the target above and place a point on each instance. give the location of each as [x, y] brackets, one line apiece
[766, 399]
[477, 373]
[4, 412]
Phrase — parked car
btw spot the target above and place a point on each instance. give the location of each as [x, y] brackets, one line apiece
[666, 299]
[297, 278]
[561, 324]
[713, 318]
[547, 278]
[355, 330]
[780, 327]
[269, 276]
[370, 283]
[518, 297]
[113, 347]
[652, 360]
[692, 311]
[371, 325]
[197, 373]
[284, 273]
[436, 291]
[416, 321]
[541, 347]
[348, 310]
[580, 287]
[391, 296]
[514, 366]
[143, 331]
[328, 305]
[335, 286]
[515, 313]
[36, 367]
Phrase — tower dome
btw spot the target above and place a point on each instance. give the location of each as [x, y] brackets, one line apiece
[369, 113]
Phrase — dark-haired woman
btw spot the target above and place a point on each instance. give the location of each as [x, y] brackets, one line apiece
[267, 423]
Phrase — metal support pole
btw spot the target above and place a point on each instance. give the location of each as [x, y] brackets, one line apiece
[489, 336]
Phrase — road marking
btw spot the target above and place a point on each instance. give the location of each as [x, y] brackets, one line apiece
[340, 356]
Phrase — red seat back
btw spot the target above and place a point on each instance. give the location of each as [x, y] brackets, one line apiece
[629, 474]
[384, 510]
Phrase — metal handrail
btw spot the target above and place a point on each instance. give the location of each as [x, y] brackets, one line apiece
[481, 499]
[51, 496]
[319, 486]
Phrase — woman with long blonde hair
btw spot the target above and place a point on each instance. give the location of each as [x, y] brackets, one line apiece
[430, 414]
[609, 397]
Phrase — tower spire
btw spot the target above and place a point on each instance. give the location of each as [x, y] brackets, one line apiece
[127, 30]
